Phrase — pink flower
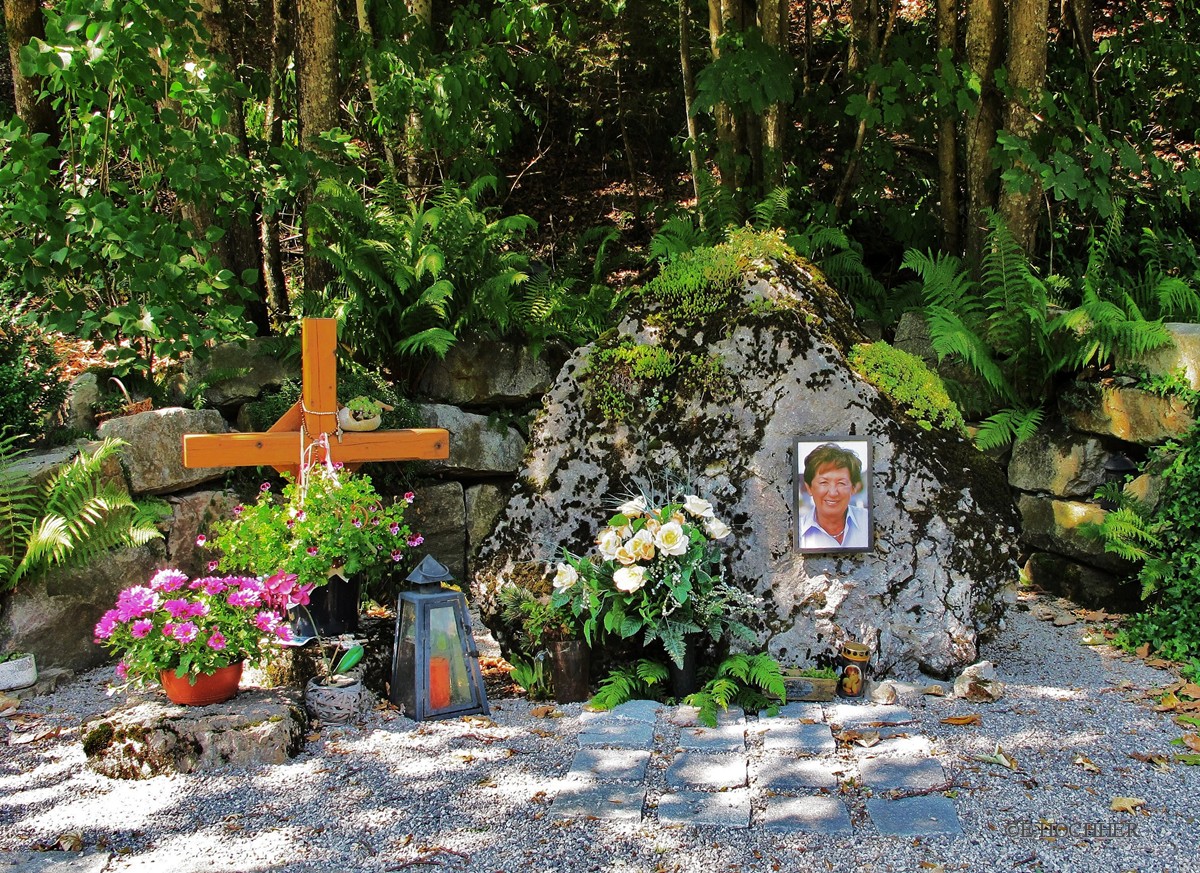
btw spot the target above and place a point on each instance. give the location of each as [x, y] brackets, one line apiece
[216, 642]
[291, 523]
[409, 497]
[396, 554]
[136, 601]
[212, 566]
[312, 551]
[167, 580]
[357, 522]
[179, 608]
[107, 624]
[301, 515]
[238, 510]
[283, 633]
[244, 598]
[201, 540]
[264, 487]
[185, 632]
[213, 585]
[141, 627]
[337, 465]
[416, 540]
[266, 621]
[122, 670]
[198, 610]
[394, 528]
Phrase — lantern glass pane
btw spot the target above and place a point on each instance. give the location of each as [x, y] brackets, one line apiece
[449, 677]
[406, 658]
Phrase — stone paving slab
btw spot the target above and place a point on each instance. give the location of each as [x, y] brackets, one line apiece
[618, 733]
[806, 739]
[914, 816]
[907, 746]
[859, 715]
[610, 765]
[638, 710]
[724, 738]
[911, 774]
[729, 809]
[689, 716]
[53, 862]
[712, 772]
[820, 815]
[799, 710]
[780, 773]
[600, 801]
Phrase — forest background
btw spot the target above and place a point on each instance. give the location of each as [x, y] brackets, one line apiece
[177, 174]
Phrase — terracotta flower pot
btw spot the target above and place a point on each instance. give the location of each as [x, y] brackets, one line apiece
[209, 688]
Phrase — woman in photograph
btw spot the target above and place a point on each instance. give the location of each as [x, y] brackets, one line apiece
[832, 477]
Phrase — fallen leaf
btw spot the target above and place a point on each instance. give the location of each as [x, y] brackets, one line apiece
[1187, 721]
[1190, 760]
[539, 732]
[33, 736]
[1090, 615]
[1155, 760]
[1086, 763]
[8, 705]
[934, 691]
[1192, 741]
[1093, 639]
[1126, 804]
[71, 841]
[866, 739]
[974, 718]
[544, 712]
[1160, 663]
[478, 721]
[929, 865]
[999, 757]
[1167, 702]
[1191, 689]
[1143, 651]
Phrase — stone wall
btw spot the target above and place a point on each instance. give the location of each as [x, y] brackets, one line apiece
[480, 393]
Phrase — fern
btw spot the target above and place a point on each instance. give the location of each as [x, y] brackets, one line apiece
[677, 236]
[750, 681]
[73, 518]
[642, 680]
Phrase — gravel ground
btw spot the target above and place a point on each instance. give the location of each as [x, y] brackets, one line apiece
[473, 794]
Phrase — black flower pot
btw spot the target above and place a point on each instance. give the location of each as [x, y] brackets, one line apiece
[683, 679]
[569, 668]
[332, 610]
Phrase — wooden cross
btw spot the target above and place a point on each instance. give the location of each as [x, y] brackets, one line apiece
[288, 440]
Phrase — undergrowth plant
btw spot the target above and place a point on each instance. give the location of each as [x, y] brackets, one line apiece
[31, 383]
[642, 680]
[1165, 540]
[73, 517]
[751, 681]
[906, 379]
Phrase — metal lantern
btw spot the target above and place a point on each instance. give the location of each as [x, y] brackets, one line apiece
[435, 662]
[1118, 468]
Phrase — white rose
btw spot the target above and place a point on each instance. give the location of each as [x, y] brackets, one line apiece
[608, 544]
[642, 545]
[671, 540]
[697, 507]
[652, 524]
[629, 579]
[716, 529]
[625, 555]
[565, 577]
[633, 508]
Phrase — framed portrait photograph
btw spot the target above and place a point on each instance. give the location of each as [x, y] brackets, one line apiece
[832, 485]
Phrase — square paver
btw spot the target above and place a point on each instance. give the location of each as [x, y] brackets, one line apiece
[600, 801]
[725, 738]
[711, 772]
[617, 733]
[792, 736]
[818, 815]
[730, 809]
[861, 715]
[914, 816]
[799, 710]
[610, 765]
[638, 710]
[780, 773]
[907, 773]
[689, 716]
[913, 747]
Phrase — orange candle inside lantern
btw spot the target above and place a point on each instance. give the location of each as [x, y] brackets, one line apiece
[439, 683]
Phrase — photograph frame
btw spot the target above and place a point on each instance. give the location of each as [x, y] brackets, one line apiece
[808, 536]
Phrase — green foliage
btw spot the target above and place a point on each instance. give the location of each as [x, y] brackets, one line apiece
[642, 681]
[620, 376]
[541, 620]
[144, 112]
[841, 260]
[1166, 541]
[907, 380]
[749, 74]
[1170, 385]
[71, 519]
[353, 381]
[752, 682]
[533, 677]
[31, 384]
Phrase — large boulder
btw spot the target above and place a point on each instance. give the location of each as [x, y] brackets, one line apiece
[1129, 414]
[154, 456]
[1181, 357]
[478, 446]
[439, 515]
[479, 372]
[1063, 527]
[768, 365]
[1059, 463]
[236, 372]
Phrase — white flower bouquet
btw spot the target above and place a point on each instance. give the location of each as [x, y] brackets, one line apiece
[657, 573]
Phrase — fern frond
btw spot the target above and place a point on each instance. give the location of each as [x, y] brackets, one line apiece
[677, 235]
[1006, 426]
[767, 210]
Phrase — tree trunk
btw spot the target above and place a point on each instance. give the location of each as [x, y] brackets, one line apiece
[240, 245]
[317, 84]
[947, 145]
[422, 37]
[689, 99]
[1027, 78]
[985, 28]
[364, 28]
[1078, 14]
[23, 22]
[268, 231]
[773, 18]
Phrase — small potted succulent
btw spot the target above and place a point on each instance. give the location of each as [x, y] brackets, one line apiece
[17, 670]
[361, 414]
[810, 683]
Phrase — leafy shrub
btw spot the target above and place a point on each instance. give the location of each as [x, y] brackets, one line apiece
[643, 680]
[31, 383]
[1166, 540]
[906, 379]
